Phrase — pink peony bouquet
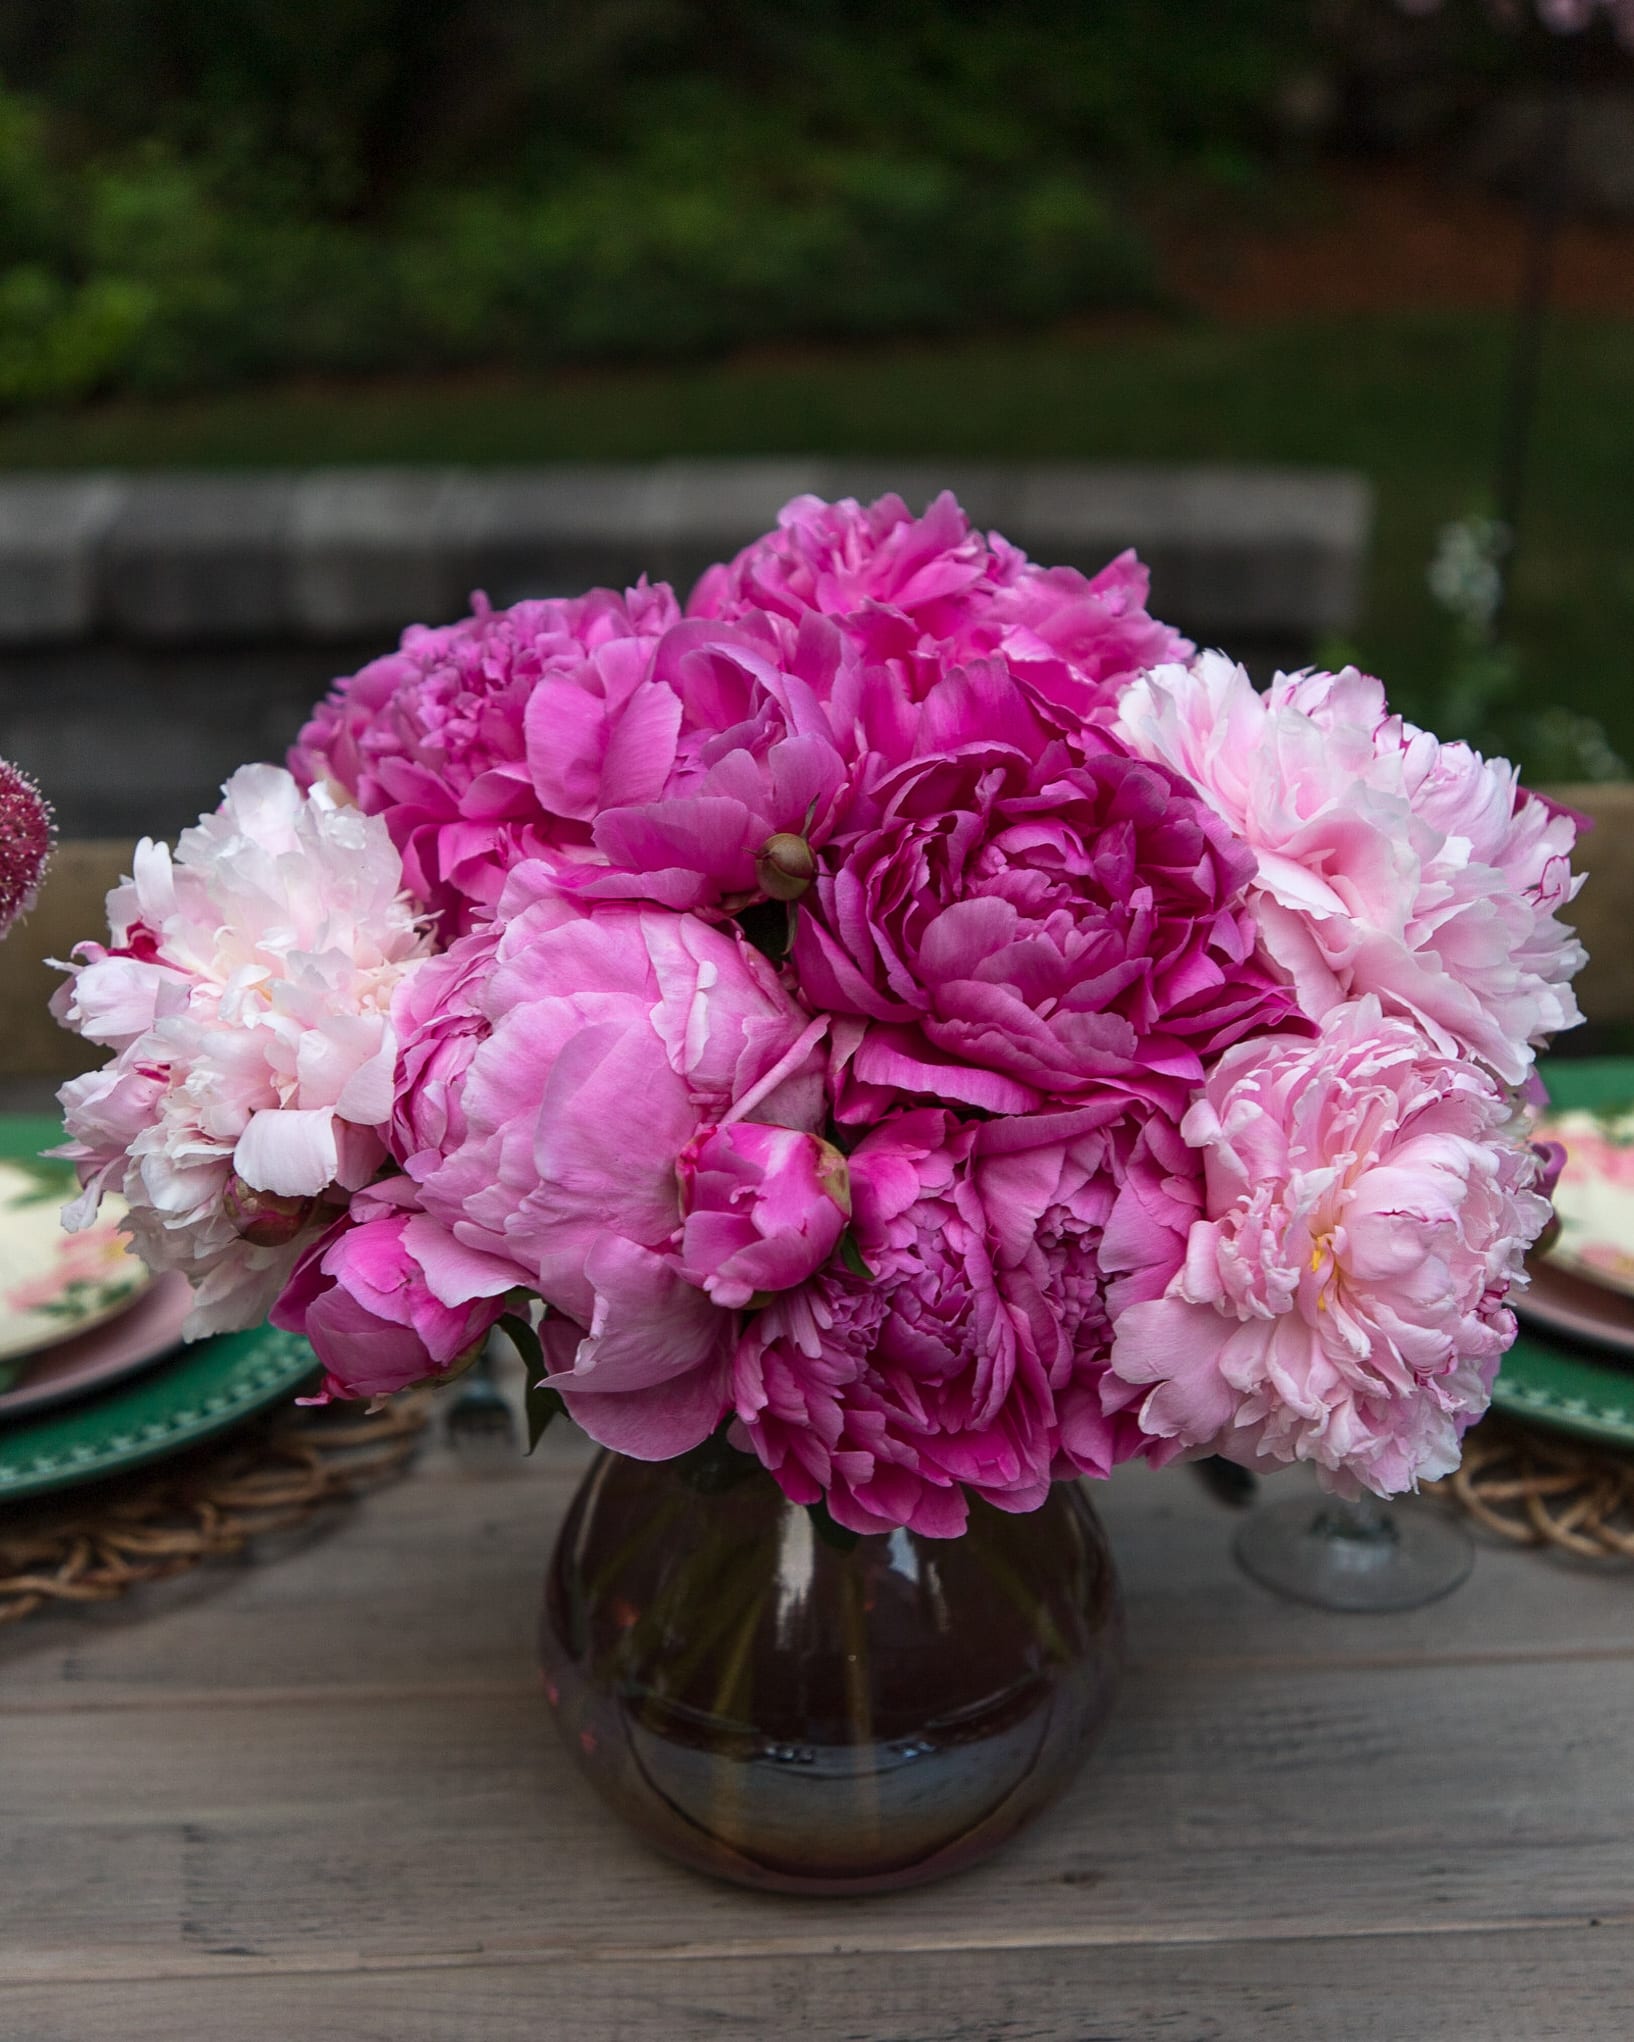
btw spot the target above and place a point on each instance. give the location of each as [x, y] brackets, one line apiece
[903, 1010]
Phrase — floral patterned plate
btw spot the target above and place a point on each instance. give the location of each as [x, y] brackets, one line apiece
[55, 1285]
[1594, 1199]
[136, 1339]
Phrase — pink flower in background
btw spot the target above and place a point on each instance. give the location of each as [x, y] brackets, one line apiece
[606, 1043]
[1366, 1206]
[96, 1256]
[25, 842]
[435, 737]
[1388, 863]
[360, 1295]
[1008, 935]
[972, 1355]
[246, 995]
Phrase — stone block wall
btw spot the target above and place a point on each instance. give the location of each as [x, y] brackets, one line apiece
[156, 631]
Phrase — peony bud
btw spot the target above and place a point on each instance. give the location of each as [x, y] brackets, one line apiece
[25, 842]
[763, 1208]
[785, 865]
[266, 1219]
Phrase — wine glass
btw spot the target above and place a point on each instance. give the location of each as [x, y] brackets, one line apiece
[1355, 1554]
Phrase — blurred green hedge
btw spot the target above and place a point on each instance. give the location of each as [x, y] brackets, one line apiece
[197, 192]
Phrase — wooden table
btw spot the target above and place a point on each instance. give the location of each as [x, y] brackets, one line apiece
[318, 1798]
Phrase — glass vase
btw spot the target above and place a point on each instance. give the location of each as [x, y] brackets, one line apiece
[794, 1708]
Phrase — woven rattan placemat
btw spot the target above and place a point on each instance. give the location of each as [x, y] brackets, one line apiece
[92, 1544]
[1539, 1488]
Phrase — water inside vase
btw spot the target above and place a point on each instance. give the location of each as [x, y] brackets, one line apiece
[771, 1707]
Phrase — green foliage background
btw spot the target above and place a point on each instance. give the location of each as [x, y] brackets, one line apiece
[197, 192]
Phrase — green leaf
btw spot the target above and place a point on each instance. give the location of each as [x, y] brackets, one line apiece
[540, 1403]
[851, 1256]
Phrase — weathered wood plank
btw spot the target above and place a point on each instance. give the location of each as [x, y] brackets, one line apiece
[1573, 1985]
[1236, 1805]
[436, 1581]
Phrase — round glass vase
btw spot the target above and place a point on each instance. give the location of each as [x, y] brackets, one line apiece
[792, 1707]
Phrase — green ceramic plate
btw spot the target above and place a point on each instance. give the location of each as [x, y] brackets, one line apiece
[24, 1135]
[204, 1390]
[1551, 1382]
[1568, 1388]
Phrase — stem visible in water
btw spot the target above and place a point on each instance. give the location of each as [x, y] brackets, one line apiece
[859, 1707]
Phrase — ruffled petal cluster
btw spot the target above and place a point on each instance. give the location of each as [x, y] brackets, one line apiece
[1366, 1204]
[583, 1068]
[968, 1359]
[246, 994]
[919, 595]
[1009, 933]
[492, 740]
[904, 1010]
[1388, 863]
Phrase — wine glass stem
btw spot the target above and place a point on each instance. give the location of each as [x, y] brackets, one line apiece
[1362, 1519]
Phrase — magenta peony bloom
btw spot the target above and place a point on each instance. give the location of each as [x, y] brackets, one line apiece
[1366, 1207]
[25, 842]
[246, 995]
[1010, 935]
[446, 737]
[971, 1357]
[748, 755]
[568, 1061]
[362, 1298]
[764, 1209]
[932, 591]
[1388, 863]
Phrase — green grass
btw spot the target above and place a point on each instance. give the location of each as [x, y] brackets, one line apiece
[1413, 402]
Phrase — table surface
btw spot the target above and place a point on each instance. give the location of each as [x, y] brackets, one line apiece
[319, 1796]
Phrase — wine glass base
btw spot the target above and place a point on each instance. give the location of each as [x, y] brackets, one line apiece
[1312, 1550]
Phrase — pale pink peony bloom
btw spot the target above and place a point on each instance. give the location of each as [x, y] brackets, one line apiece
[545, 1139]
[498, 738]
[1389, 863]
[1005, 933]
[970, 1356]
[246, 995]
[1366, 1207]
[26, 832]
